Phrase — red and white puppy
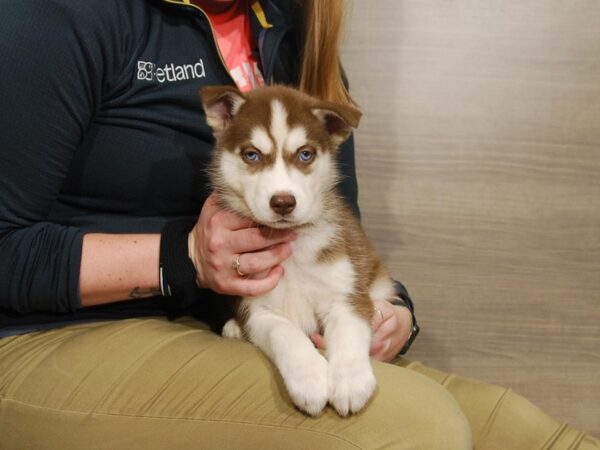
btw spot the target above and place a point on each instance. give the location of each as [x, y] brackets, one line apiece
[275, 162]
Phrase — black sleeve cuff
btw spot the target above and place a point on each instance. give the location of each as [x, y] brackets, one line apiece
[178, 271]
[403, 294]
[407, 301]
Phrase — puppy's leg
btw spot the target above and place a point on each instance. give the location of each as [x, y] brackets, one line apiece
[350, 375]
[303, 368]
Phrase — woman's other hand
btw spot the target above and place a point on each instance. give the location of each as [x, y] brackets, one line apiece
[391, 329]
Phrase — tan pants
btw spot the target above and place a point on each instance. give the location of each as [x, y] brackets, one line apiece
[154, 384]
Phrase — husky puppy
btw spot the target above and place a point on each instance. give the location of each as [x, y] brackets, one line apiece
[275, 163]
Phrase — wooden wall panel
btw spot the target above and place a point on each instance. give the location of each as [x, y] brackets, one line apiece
[479, 167]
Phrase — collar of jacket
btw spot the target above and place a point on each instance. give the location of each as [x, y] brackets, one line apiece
[254, 4]
[275, 27]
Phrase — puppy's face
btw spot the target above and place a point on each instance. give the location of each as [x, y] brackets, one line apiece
[275, 151]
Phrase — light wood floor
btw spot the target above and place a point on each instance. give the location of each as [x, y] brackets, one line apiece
[479, 167]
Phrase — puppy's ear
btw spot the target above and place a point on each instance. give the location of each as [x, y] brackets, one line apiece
[339, 120]
[221, 103]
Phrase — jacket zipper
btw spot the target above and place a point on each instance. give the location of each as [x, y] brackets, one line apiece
[214, 36]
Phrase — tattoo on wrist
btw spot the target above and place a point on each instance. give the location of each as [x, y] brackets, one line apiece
[138, 292]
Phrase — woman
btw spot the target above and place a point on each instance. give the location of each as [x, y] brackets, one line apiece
[103, 199]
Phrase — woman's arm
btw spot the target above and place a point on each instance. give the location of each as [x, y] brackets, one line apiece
[51, 83]
[54, 65]
[119, 266]
[126, 266]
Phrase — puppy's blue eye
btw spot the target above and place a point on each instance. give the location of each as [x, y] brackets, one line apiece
[306, 155]
[251, 156]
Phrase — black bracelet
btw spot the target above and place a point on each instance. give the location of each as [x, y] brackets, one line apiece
[414, 331]
[176, 270]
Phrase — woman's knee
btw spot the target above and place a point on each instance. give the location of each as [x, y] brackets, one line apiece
[421, 410]
[408, 411]
[500, 418]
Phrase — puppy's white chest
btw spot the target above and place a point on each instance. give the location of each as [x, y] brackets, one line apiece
[309, 287]
[319, 283]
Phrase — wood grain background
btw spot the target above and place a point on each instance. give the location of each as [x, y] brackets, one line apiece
[479, 168]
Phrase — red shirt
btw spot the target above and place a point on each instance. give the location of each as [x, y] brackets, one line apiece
[234, 38]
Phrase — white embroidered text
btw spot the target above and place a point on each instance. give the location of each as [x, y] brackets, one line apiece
[170, 72]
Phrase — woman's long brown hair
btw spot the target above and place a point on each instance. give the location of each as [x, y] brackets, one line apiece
[321, 71]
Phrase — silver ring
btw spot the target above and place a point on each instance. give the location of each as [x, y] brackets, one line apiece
[235, 265]
[377, 310]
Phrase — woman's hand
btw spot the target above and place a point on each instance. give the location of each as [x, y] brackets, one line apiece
[220, 237]
[391, 329]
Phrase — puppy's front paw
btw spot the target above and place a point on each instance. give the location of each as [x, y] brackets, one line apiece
[232, 330]
[351, 385]
[306, 383]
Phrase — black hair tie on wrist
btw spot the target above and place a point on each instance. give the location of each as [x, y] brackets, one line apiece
[177, 272]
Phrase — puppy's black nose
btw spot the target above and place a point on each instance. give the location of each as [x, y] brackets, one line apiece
[283, 203]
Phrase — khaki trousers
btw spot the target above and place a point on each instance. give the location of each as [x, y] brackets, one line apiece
[154, 384]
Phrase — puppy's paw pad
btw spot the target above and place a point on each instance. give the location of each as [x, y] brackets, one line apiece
[351, 385]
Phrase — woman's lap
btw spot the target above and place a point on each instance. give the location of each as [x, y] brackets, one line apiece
[150, 383]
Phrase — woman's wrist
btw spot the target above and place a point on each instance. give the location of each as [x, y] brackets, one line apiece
[405, 320]
[193, 256]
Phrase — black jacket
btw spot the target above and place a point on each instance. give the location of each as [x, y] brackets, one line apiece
[102, 130]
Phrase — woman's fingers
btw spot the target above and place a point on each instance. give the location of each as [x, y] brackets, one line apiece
[387, 328]
[248, 287]
[391, 334]
[258, 262]
[380, 351]
[253, 239]
[318, 340]
[378, 319]
[383, 311]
